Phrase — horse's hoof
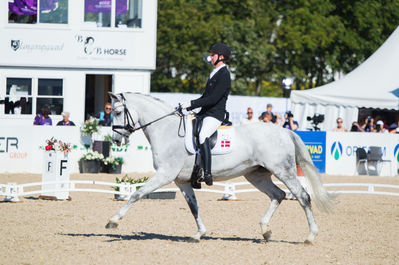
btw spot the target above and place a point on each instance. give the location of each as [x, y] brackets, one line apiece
[193, 240]
[267, 235]
[308, 243]
[111, 225]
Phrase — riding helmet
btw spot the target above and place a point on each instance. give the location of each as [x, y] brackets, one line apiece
[221, 49]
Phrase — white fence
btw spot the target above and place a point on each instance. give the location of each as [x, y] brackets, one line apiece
[12, 191]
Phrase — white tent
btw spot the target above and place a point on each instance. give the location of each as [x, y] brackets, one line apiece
[373, 84]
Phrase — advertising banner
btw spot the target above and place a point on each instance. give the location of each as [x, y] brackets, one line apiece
[341, 151]
[315, 142]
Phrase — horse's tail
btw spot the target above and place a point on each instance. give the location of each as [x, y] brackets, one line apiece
[322, 199]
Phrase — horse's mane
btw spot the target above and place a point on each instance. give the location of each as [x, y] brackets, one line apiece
[159, 102]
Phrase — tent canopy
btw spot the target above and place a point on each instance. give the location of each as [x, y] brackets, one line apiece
[373, 84]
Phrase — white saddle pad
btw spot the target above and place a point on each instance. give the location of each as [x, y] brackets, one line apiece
[224, 143]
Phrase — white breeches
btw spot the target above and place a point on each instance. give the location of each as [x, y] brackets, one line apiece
[209, 126]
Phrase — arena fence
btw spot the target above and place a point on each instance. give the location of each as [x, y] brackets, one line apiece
[229, 190]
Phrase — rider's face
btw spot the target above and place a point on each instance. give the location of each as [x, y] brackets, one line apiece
[214, 57]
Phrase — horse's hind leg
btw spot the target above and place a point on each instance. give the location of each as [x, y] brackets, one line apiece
[189, 195]
[290, 180]
[261, 179]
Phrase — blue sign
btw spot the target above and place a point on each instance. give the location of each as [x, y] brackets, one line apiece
[315, 142]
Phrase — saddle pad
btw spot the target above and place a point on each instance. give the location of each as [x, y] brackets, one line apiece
[224, 143]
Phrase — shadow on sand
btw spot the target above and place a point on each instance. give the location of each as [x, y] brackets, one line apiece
[151, 236]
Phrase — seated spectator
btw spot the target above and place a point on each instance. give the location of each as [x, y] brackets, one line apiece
[356, 127]
[289, 122]
[43, 118]
[22, 106]
[250, 117]
[340, 126]
[65, 120]
[380, 127]
[105, 117]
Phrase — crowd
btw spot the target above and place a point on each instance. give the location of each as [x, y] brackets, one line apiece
[369, 124]
[43, 118]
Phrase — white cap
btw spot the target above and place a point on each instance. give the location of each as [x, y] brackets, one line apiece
[380, 122]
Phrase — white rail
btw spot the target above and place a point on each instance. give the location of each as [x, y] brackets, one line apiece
[12, 191]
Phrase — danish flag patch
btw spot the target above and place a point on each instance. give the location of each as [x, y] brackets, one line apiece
[225, 143]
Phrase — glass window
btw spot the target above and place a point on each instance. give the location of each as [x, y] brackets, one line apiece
[128, 13]
[18, 98]
[53, 11]
[50, 92]
[25, 11]
[22, 11]
[98, 13]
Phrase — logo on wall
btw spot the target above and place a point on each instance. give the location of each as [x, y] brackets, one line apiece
[15, 44]
[90, 48]
[396, 152]
[336, 150]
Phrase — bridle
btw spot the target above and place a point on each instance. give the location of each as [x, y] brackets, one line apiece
[128, 122]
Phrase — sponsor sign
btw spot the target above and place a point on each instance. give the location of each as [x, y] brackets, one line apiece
[315, 142]
[341, 151]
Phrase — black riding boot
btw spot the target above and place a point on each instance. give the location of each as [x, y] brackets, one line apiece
[205, 151]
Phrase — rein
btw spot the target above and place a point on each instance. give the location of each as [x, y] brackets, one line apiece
[129, 122]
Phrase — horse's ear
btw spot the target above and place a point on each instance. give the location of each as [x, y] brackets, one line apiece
[113, 96]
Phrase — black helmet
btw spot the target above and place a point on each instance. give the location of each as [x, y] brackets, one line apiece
[221, 49]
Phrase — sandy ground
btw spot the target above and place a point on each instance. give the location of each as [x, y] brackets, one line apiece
[364, 229]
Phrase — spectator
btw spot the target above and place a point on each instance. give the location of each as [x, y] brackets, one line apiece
[369, 125]
[267, 117]
[105, 117]
[250, 117]
[22, 106]
[356, 127]
[65, 120]
[394, 128]
[275, 117]
[380, 127]
[340, 127]
[290, 123]
[43, 118]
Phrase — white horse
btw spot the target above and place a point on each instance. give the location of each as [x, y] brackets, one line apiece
[261, 149]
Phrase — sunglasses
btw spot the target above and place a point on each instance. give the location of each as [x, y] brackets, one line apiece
[249, 112]
[109, 108]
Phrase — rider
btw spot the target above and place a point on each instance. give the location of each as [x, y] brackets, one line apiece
[212, 103]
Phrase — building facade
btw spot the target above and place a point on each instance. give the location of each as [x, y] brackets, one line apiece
[70, 54]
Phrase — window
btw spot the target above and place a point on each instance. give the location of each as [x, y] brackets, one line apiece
[50, 11]
[127, 13]
[18, 98]
[50, 93]
[23, 98]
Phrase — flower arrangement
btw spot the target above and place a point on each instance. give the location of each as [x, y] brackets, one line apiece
[126, 179]
[113, 161]
[90, 126]
[92, 156]
[57, 145]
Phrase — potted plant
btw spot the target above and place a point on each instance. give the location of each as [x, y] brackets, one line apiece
[113, 164]
[129, 180]
[90, 162]
[89, 127]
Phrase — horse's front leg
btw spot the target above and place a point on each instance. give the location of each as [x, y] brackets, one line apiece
[189, 195]
[157, 181]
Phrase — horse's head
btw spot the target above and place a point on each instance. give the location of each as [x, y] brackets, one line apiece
[123, 119]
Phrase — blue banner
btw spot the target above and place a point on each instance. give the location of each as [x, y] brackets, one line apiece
[315, 142]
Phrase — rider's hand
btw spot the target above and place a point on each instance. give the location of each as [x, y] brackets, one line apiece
[185, 105]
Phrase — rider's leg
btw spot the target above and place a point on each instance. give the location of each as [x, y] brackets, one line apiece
[209, 126]
[205, 151]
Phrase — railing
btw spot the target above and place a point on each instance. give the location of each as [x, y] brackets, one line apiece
[12, 191]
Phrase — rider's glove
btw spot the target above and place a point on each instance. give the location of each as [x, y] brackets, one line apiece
[185, 105]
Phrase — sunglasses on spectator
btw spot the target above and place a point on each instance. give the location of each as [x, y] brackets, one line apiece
[249, 112]
[108, 108]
